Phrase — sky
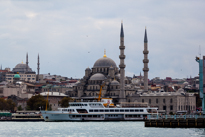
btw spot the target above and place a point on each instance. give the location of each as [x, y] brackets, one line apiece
[70, 35]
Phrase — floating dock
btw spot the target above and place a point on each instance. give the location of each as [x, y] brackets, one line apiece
[176, 122]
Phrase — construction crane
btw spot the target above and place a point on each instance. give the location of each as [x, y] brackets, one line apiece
[108, 101]
[99, 95]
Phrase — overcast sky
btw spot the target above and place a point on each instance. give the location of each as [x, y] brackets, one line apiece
[70, 35]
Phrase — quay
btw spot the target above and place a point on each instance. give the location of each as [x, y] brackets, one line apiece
[176, 121]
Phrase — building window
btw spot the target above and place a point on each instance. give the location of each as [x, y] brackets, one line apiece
[142, 100]
[163, 100]
[164, 107]
[157, 100]
[171, 107]
[150, 101]
[171, 100]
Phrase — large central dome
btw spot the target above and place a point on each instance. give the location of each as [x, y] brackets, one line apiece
[104, 62]
[21, 68]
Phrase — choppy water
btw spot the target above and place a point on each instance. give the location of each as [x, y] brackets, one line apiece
[92, 129]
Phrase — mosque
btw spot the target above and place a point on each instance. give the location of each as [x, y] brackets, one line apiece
[105, 70]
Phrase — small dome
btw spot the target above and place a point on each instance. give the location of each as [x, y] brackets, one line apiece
[114, 82]
[104, 62]
[16, 76]
[97, 76]
[87, 68]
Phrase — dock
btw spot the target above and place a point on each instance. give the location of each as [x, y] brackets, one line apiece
[174, 121]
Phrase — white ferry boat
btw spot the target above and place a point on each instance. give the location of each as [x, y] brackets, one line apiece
[100, 111]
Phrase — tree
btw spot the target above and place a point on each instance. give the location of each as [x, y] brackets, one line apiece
[7, 104]
[35, 102]
[20, 108]
[65, 101]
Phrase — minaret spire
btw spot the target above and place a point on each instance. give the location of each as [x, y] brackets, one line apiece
[1, 66]
[145, 61]
[145, 36]
[38, 68]
[122, 66]
[27, 62]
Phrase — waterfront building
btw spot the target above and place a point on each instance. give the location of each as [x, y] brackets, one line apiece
[25, 72]
[53, 98]
[167, 102]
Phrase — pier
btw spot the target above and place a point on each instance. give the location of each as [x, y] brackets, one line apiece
[176, 121]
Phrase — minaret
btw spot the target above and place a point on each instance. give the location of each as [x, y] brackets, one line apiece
[145, 61]
[140, 79]
[27, 62]
[1, 66]
[122, 66]
[38, 68]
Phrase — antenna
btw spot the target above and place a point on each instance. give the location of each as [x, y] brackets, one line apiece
[199, 51]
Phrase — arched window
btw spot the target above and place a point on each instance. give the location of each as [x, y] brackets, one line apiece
[113, 94]
[89, 94]
[157, 100]
[171, 100]
[142, 100]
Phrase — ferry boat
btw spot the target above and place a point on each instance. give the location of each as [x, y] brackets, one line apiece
[27, 116]
[101, 111]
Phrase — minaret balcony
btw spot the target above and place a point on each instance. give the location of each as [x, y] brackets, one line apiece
[145, 52]
[121, 47]
[145, 60]
[122, 56]
[122, 66]
[145, 69]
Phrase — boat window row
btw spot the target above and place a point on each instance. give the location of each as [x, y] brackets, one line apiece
[135, 116]
[95, 104]
[78, 104]
[116, 110]
[79, 116]
[70, 110]
[27, 117]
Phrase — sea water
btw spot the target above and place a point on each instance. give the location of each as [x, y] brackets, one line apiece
[92, 129]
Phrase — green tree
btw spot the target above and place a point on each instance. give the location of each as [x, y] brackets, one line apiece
[65, 101]
[7, 104]
[20, 108]
[11, 104]
[35, 102]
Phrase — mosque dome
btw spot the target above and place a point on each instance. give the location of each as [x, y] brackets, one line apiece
[16, 76]
[114, 82]
[97, 76]
[21, 68]
[104, 62]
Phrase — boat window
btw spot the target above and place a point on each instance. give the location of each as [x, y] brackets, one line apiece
[106, 110]
[116, 110]
[136, 110]
[111, 110]
[131, 110]
[101, 110]
[81, 110]
[141, 110]
[73, 110]
[85, 104]
[121, 110]
[89, 115]
[126, 110]
[94, 115]
[91, 110]
[95, 110]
